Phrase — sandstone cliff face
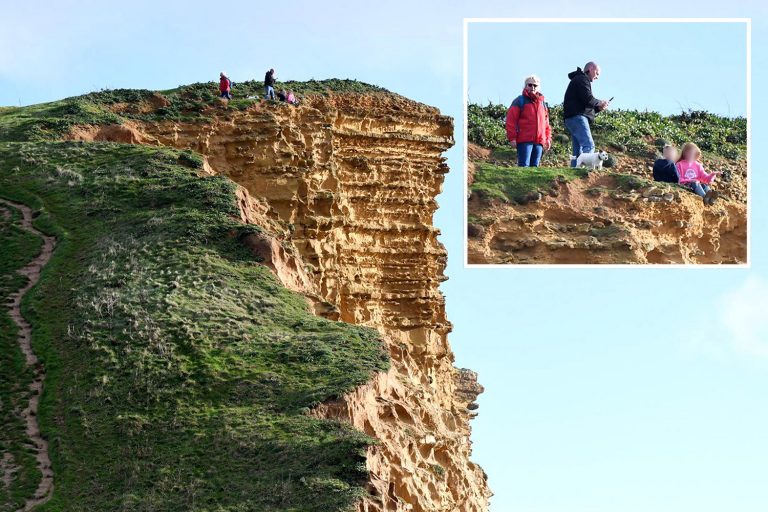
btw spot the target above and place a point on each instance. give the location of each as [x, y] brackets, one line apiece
[347, 186]
[598, 219]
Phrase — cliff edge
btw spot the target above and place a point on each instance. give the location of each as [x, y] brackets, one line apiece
[342, 190]
[616, 215]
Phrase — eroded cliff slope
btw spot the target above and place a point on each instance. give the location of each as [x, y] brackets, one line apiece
[172, 371]
[609, 216]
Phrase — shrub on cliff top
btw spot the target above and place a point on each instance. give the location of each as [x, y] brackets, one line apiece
[611, 161]
[636, 132]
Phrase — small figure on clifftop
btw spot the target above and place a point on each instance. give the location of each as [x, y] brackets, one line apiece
[665, 168]
[692, 175]
[287, 97]
[269, 85]
[527, 124]
[580, 108]
[225, 86]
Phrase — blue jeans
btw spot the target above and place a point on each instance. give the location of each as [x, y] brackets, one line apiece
[698, 188]
[581, 135]
[225, 94]
[529, 154]
[269, 92]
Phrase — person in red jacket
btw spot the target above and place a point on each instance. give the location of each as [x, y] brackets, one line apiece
[225, 86]
[527, 124]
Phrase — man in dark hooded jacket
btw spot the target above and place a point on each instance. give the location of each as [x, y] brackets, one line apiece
[269, 85]
[580, 107]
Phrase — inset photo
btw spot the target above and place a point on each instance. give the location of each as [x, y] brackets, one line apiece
[618, 142]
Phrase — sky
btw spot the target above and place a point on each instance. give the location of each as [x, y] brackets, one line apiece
[656, 66]
[619, 389]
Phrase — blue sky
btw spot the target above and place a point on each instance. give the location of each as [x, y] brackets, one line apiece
[656, 66]
[607, 389]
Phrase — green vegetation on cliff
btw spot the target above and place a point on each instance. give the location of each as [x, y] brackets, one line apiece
[500, 182]
[633, 140]
[50, 121]
[625, 131]
[179, 371]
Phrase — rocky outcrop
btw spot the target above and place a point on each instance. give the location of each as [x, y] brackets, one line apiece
[345, 187]
[599, 219]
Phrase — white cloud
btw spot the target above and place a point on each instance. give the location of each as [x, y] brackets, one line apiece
[743, 314]
[735, 324]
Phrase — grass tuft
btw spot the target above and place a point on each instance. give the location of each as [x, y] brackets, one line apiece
[515, 183]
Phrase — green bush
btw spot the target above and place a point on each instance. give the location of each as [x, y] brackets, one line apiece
[628, 131]
[191, 159]
[486, 125]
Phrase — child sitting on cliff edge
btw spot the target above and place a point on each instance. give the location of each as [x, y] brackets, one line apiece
[665, 168]
[692, 175]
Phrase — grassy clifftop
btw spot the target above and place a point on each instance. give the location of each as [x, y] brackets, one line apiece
[179, 370]
[632, 138]
[50, 121]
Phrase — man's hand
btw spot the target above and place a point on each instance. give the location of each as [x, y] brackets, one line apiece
[513, 143]
[603, 104]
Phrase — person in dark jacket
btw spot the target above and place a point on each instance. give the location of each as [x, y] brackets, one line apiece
[580, 108]
[269, 85]
[664, 168]
[527, 124]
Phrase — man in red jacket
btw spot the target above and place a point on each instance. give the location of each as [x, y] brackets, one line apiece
[225, 86]
[527, 124]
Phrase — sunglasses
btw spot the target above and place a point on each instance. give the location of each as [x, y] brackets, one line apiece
[532, 85]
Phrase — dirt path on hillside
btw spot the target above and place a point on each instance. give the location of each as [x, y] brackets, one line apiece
[29, 414]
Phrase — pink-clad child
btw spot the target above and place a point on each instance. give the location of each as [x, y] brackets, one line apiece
[692, 174]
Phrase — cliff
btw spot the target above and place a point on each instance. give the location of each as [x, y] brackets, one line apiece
[354, 179]
[342, 189]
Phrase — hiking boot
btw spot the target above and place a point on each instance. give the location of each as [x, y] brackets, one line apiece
[710, 197]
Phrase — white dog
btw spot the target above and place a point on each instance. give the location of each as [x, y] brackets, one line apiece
[592, 160]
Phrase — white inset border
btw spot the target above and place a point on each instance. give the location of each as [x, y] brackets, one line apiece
[465, 92]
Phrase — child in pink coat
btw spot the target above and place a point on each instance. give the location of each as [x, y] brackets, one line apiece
[692, 174]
